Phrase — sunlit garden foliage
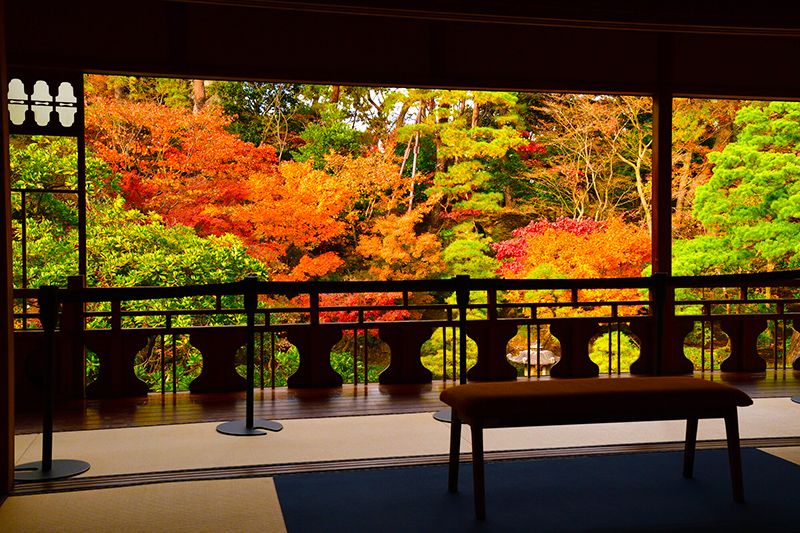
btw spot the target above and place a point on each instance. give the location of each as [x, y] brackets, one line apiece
[305, 182]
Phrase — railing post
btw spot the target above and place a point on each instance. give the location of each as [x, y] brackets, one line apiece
[72, 374]
[651, 332]
[313, 308]
[116, 351]
[659, 317]
[314, 342]
[462, 301]
[743, 335]
[668, 332]
[574, 335]
[491, 337]
[405, 342]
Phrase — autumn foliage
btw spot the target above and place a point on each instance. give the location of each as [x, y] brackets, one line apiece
[572, 248]
[390, 203]
[187, 168]
[576, 249]
[304, 182]
[395, 250]
[181, 165]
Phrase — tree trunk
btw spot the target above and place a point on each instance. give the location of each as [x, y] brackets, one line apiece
[683, 186]
[441, 118]
[643, 198]
[121, 90]
[198, 95]
[413, 172]
[401, 116]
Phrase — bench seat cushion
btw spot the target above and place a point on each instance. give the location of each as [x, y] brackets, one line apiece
[586, 400]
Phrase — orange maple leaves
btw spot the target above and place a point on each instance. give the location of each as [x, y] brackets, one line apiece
[566, 248]
[187, 168]
[183, 166]
[396, 251]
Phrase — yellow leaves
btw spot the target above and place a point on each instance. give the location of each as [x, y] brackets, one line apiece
[370, 176]
[313, 267]
[396, 251]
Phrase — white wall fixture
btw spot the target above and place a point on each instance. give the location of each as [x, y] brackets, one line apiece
[42, 103]
[66, 104]
[17, 101]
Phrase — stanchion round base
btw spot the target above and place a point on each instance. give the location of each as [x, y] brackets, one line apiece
[796, 399]
[445, 415]
[239, 428]
[60, 469]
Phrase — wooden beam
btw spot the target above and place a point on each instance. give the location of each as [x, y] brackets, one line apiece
[359, 47]
[7, 307]
[663, 17]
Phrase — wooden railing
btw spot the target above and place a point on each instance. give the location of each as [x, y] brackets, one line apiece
[218, 320]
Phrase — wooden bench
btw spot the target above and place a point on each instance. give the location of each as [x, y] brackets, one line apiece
[591, 401]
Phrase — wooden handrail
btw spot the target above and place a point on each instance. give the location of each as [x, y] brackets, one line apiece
[314, 325]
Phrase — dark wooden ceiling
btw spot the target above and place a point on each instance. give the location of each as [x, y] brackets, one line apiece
[710, 48]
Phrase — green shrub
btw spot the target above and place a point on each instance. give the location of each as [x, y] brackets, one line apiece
[433, 352]
[628, 353]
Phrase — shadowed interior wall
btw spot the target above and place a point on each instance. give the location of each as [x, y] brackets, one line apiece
[209, 40]
[6, 308]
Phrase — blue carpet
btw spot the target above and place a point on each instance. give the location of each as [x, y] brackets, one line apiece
[631, 492]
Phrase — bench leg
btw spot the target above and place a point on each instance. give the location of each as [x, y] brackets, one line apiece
[478, 481]
[734, 455]
[455, 449]
[689, 447]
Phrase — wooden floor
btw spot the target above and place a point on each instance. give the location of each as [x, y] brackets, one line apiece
[282, 403]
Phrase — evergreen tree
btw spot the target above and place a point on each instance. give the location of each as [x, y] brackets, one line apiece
[750, 208]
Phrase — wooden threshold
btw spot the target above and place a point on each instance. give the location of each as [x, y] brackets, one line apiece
[284, 404]
[236, 472]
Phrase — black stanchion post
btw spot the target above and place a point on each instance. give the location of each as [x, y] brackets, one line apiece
[48, 312]
[47, 468]
[462, 301]
[250, 306]
[249, 426]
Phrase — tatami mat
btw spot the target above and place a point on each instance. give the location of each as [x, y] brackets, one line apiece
[252, 504]
[240, 505]
[190, 446]
[789, 453]
[23, 444]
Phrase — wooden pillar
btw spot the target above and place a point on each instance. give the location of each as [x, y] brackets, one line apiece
[81, 141]
[661, 247]
[7, 305]
[662, 161]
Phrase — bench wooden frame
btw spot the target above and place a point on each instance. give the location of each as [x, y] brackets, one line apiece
[464, 414]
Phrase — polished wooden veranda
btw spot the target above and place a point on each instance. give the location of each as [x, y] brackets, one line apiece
[283, 403]
[736, 306]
